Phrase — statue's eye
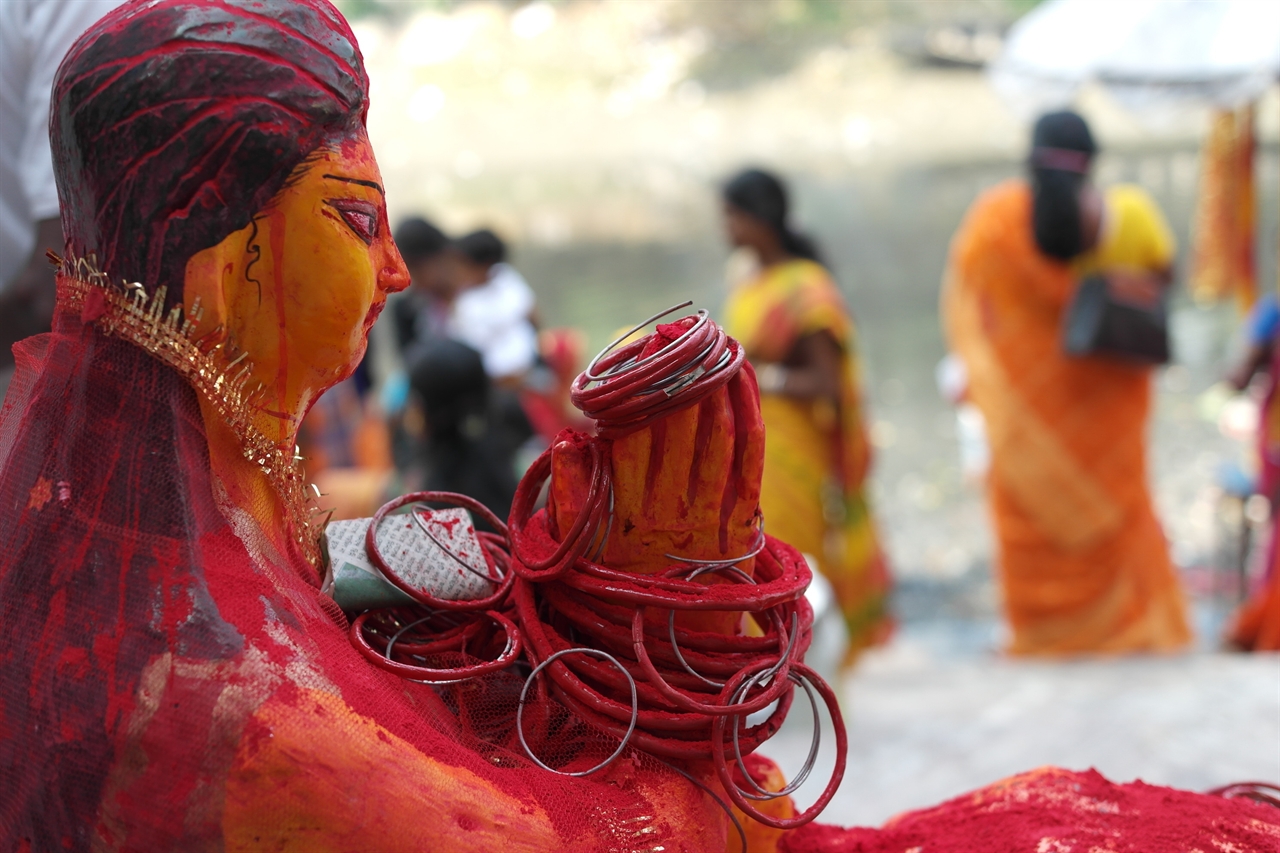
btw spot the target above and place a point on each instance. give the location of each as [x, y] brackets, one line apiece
[360, 216]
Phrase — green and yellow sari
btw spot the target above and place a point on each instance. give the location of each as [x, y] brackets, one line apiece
[816, 453]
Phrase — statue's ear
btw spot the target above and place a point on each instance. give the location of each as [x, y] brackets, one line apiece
[210, 274]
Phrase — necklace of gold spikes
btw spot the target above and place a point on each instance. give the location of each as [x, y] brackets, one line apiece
[208, 365]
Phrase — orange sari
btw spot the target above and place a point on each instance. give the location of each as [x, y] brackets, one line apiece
[1082, 559]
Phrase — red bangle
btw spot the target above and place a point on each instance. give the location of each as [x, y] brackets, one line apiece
[439, 676]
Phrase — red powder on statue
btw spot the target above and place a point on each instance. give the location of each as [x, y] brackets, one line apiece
[666, 333]
[1051, 810]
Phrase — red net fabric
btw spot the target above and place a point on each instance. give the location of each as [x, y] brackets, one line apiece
[1051, 810]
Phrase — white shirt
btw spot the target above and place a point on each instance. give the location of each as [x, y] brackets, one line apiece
[34, 37]
[493, 319]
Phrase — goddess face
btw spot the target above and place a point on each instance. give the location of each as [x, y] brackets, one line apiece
[300, 287]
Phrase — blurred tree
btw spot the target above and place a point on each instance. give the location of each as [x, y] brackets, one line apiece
[749, 40]
[399, 10]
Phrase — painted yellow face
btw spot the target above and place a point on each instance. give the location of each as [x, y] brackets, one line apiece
[300, 287]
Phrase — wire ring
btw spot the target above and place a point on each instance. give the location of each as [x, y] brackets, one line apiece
[398, 634]
[524, 692]
[634, 390]
[687, 703]
[837, 774]
[814, 744]
[1258, 792]
[675, 647]
[703, 316]
[671, 619]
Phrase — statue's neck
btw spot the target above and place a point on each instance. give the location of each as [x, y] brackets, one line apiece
[248, 487]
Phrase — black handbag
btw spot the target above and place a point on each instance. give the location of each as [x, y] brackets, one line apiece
[1097, 324]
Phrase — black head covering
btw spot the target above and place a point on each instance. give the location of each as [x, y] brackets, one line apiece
[473, 430]
[1062, 152]
[763, 196]
[483, 247]
[449, 377]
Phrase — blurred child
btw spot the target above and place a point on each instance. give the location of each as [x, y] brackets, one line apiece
[471, 438]
[423, 312]
[494, 310]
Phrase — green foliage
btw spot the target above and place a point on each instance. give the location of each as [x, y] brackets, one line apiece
[1022, 7]
[750, 40]
[394, 10]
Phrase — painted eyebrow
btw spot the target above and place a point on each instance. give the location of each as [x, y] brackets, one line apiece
[371, 184]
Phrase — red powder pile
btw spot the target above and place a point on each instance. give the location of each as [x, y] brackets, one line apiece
[1051, 810]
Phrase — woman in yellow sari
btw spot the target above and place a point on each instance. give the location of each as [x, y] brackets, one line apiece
[799, 336]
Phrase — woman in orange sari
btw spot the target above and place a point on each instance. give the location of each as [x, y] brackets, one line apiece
[799, 336]
[1082, 558]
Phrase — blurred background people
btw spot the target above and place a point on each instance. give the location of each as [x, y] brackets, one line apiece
[470, 439]
[1083, 562]
[423, 313]
[1255, 370]
[34, 36]
[345, 441]
[494, 310]
[799, 336]
[884, 119]
[456, 426]
[1255, 626]
[418, 317]
[495, 313]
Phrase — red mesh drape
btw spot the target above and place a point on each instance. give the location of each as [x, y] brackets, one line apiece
[1051, 810]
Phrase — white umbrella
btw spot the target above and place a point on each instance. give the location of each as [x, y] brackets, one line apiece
[1146, 53]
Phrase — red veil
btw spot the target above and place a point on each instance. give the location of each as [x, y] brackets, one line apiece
[129, 600]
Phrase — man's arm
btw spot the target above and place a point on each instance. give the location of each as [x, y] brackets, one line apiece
[26, 308]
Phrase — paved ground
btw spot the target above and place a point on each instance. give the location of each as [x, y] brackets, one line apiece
[926, 725]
